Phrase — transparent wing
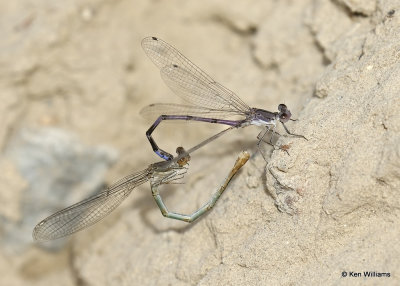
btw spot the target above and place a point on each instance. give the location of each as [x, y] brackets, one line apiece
[168, 176]
[89, 211]
[197, 92]
[189, 81]
[152, 111]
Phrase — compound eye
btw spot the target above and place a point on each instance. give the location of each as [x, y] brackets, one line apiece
[282, 107]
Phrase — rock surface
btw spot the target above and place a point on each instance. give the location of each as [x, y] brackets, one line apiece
[317, 209]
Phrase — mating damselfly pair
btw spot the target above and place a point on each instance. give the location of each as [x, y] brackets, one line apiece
[207, 101]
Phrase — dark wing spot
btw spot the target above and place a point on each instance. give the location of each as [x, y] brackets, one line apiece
[175, 66]
[154, 38]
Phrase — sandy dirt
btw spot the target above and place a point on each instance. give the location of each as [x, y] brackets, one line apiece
[73, 79]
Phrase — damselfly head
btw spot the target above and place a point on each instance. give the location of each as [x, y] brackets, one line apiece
[184, 157]
[180, 150]
[284, 113]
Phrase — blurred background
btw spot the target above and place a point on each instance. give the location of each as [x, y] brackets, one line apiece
[73, 79]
